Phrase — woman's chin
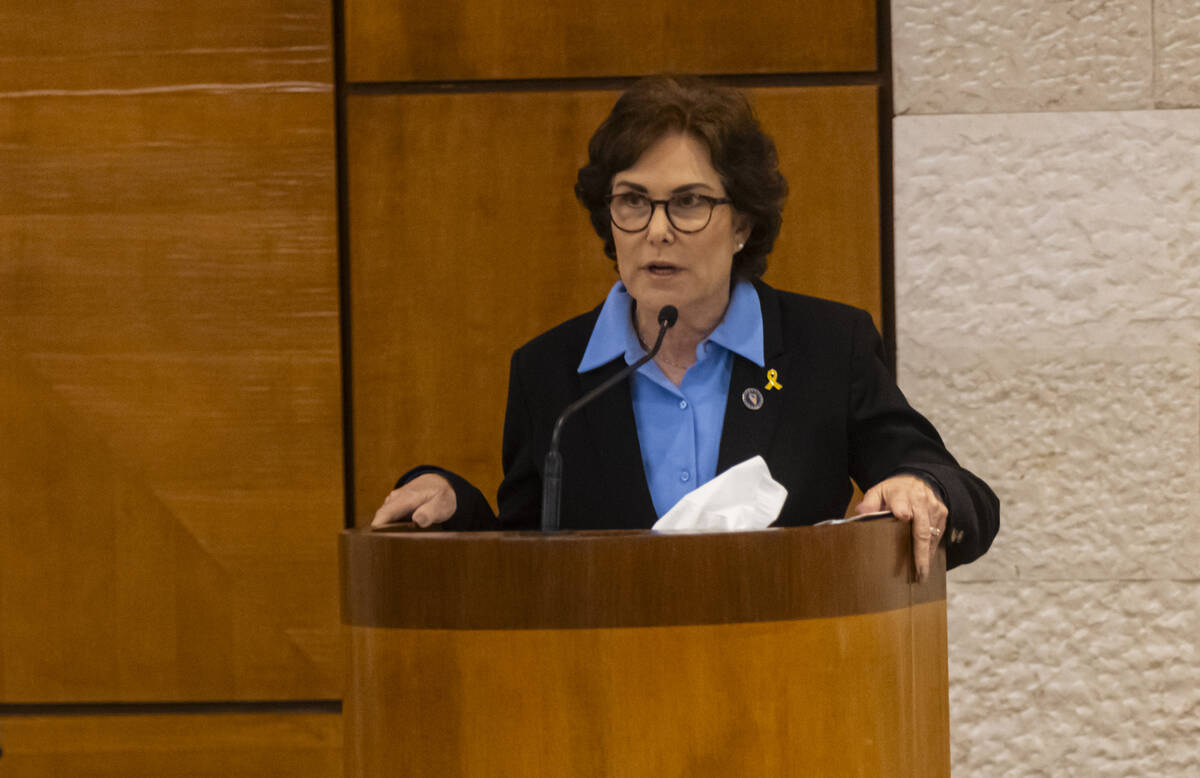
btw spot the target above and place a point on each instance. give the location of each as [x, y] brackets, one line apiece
[654, 299]
[658, 287]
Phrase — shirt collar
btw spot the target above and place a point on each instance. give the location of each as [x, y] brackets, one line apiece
[740, 331]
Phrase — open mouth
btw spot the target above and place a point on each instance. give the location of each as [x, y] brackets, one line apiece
[656, 269]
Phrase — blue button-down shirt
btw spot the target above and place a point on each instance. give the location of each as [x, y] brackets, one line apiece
[679, 427]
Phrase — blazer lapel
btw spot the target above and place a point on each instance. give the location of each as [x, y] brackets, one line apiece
[748, 429]
[618, 451]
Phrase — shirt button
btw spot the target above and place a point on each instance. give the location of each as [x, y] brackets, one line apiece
[685, 476]
[683, 405]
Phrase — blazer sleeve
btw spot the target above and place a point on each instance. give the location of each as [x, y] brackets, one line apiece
[887, 437]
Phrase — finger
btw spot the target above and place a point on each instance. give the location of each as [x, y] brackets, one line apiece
[871, 502]
[393, 509]
[429, 514]
[385, 515]
[924, 542]
[930, 512]
[938, 521]
[903, 508]
[423, 516]
[940, 514]
[399, 504]
[441, 505]
[899, 502]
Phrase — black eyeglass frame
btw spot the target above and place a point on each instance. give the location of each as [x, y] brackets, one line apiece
[713, 202]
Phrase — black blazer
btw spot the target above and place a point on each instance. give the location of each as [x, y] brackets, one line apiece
[838, 416]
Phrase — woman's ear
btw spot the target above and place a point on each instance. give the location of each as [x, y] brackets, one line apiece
[743, 225]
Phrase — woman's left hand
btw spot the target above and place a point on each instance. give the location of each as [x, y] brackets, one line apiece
[910, 499]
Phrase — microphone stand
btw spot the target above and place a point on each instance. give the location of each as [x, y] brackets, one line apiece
[552, 475]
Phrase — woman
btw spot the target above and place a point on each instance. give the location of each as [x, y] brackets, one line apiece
[683, 187]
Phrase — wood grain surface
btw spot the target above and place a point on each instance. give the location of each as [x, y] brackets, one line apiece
[466, 240]
[815, 697]
[415, 579]
[793, 652]
[202, 745]
[828, 147]
[66, 49]
[389, 40]
[169, 353]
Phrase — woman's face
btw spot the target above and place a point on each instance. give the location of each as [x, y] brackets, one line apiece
[661, 265]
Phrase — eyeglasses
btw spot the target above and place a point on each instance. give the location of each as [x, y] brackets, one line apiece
[687, 211]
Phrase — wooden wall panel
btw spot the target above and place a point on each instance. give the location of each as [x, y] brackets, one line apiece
[391, 40]
[202, 745]
[829, 244]
[467, 240]
[65, 48]
[169, 354]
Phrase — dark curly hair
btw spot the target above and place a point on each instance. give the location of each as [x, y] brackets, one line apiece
[721, 118]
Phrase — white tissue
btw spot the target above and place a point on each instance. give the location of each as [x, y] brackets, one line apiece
[743, 497]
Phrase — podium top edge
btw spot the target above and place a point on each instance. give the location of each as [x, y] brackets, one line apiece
[419, 579]
[409, 530]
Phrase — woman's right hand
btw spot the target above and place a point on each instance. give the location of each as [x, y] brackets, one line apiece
[427, 499]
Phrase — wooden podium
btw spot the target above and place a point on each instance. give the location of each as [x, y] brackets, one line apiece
[781, 652]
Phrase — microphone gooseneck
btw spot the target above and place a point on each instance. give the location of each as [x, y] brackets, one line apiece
[552, 475]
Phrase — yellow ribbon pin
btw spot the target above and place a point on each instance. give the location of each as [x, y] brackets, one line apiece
[772, 382]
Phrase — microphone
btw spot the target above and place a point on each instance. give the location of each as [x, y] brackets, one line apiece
[552, 478]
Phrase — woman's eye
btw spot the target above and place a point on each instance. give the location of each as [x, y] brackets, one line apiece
[686, 200]
[632, 200]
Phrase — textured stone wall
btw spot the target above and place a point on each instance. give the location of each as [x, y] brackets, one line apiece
[1047, 168]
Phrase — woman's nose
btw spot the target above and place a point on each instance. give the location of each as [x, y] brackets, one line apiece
[660, 229]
